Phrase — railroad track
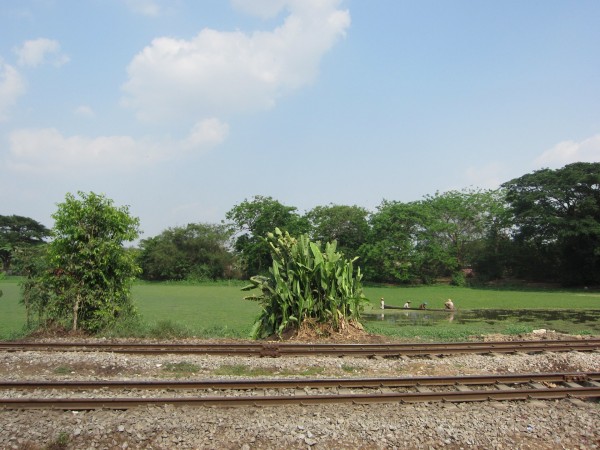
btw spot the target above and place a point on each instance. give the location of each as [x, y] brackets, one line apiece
[274, 349]
[228, 393]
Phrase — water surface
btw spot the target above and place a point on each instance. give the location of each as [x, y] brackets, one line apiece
[558, 320]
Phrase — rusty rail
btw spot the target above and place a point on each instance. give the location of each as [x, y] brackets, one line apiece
[276, 349]
[464, 389]
[311, 383]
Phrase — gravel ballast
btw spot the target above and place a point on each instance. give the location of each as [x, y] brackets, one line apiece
[569, 423]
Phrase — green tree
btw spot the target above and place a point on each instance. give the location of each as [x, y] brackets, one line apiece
[347, 225]
[455, 225]
[18, 232]
[306, 285]
[437, 236]
[556, 216]
[196, 251]
[87, 278]
[251, 220]
[389, 254]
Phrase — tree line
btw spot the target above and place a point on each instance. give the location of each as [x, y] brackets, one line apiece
[543, 226]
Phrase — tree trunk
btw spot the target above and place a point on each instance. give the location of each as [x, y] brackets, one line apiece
[75, 311]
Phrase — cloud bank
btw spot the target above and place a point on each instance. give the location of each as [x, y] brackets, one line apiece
[36, 52]
[48, 151]
[149, 8]
[566, 152]
[219, 73]
[196, 82]
[12, 86]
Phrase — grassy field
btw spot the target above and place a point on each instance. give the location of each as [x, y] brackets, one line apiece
[218, 310]
[484, 298]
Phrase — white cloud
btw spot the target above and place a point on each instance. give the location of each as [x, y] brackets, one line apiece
[12, 86]
[206, 133]
[218, 72]
[36, 52]
[48, 151]
[566, 152]
[262, 8]
[84, 111]
[489, 176]
[144, 7]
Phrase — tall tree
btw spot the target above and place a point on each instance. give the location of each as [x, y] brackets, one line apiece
[196, 251]
[252, 220]
[456, 222]
[18, 232]
[347, 225]
[389, 254]
[557, 222]
[89, 273]
[423, 240]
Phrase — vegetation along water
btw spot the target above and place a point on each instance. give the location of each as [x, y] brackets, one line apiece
[218, 310]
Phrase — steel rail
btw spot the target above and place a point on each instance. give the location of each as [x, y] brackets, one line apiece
[299, 383]
[541, 393]
[294, 349]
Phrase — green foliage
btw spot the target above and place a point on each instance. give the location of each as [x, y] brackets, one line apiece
[63, 370]
[17, 232]
[85, 275]
[456, 223]
[390, 255]
[167, 329]
[419, 242]
[251, 220]
[242, 370]
[459, 279]
[349, 368]
[181, 368]
[194, 252]
[61, 442]
[347, 225]
[557, 219]
[306, 283]
[133, 326]
[424, 333]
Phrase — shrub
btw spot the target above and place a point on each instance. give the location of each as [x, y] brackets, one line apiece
[306, 284]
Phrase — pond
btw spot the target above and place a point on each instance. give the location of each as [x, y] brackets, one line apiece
[558, 320]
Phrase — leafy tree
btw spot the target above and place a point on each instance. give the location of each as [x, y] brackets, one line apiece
[306, 284]
[18, 232]
[437, 236]
[196, 251]
[251, 220]
[455, 224]
[556, 215]
[87, 276]
[347, 225]
[389, 254]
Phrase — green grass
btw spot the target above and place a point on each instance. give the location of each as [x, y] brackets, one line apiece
[241, 370]
[485, 298]
[217, 310]
[181, 368]
[63, 370]
[213, 310]
[12, 313]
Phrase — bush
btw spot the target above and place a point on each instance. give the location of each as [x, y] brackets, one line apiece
[304, 284]
[459, 279]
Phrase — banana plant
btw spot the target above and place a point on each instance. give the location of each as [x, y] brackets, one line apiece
[305, 283]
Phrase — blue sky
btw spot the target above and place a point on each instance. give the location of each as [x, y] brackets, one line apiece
[183, 108]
